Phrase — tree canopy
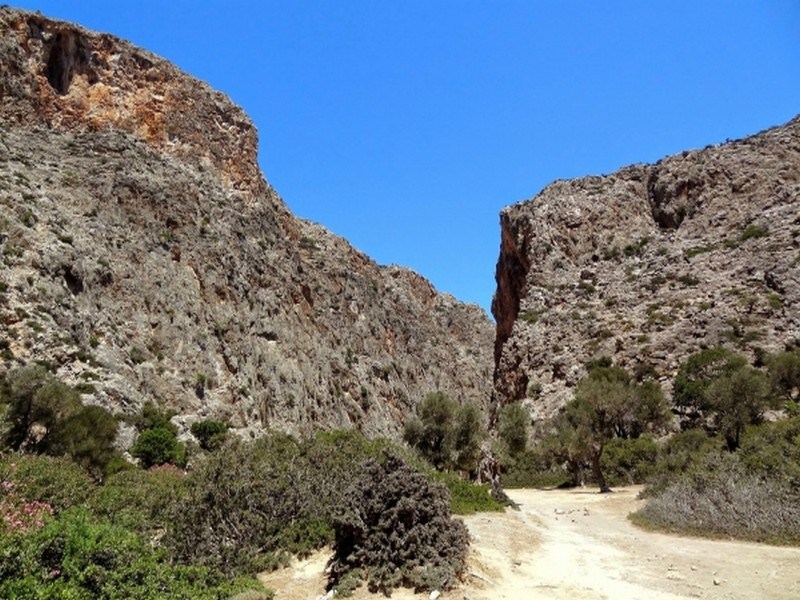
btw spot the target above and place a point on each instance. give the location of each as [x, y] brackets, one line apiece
[607, 404]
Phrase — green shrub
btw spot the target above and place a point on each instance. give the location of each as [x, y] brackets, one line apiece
[722, 497]
[467, 434]
[152, 417]
[137, 355]
[45, 416]
[36, 401]
[753, 231]
[430, 431]
[139, 500]
[210, 434]
[533, 468]
[77, 557]
[629, 461]
[513, 427]
[751, 493]
[772, 450]
[249, 504]
[532, 316]
[784, 373]
[736, 400]
[467, 498]
[601, 362]
[157, 447]
[694, 376]
[396, 528]
[677, 456]
[240, 500]
[55, 480]
[445, 434]
[87, 436]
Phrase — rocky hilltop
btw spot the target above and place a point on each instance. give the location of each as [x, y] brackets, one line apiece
[648, 265]
[143, 255]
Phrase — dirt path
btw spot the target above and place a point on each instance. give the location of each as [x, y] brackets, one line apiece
[579, 544]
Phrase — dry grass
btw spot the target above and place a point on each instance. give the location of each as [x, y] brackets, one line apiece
[726, 501]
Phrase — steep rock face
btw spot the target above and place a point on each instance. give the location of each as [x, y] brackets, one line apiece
[143, 254]
[648, 265]
[63, 77]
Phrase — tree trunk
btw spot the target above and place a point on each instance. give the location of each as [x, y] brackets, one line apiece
[732, 440]
[574, 468]
[598, 472]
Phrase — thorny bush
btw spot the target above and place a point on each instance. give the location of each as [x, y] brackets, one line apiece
[396, 530]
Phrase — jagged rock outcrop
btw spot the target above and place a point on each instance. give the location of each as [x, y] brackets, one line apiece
[143, 255]
[648, 265]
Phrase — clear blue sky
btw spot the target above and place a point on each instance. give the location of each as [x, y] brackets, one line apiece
[406, 126]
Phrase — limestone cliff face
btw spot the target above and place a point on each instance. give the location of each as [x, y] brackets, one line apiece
[143, 254]
[63, 77]
[650, 264]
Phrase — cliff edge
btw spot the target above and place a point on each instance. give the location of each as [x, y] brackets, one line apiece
[144, 257]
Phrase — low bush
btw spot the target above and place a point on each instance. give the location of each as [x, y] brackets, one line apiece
[773, 450]
[249, 503]
[629, 461]
[139, 500]
[55, 480]
[237, 502]
[533, 468]
[158, 446]
[395, 529]
[678, 456]
[721, 497]
[467, 498]
[45, 416]
[152, 417]
[87, 436]
[210, 433]
[77, 557]
[752, 493]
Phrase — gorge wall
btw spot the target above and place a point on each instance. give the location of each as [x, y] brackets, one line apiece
[648, 265]
[143, 255]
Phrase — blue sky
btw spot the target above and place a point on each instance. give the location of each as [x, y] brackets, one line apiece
[406, 126]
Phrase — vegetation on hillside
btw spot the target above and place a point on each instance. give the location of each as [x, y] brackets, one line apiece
[446, 434]
[609, 422]
[79, 521]
[76, 520]
[728, 470]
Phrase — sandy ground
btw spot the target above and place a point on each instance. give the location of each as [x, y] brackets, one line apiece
[579, 544]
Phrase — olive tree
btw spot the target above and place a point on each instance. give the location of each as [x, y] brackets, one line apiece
[736, 400]
[609, 404]
[694, 376]
[445, 434]
[784, 374]
[45, 416]
[513, 427]
[716, 389]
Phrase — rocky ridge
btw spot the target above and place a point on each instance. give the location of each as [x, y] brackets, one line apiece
[143, 255]
[648, 265]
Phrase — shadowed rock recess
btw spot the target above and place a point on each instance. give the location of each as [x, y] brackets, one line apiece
[143, 255]
[648, 265]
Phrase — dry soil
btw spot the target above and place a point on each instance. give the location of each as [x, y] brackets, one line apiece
[579, 544]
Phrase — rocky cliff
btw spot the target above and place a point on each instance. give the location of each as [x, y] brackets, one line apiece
[143, 255]
[649, 265]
